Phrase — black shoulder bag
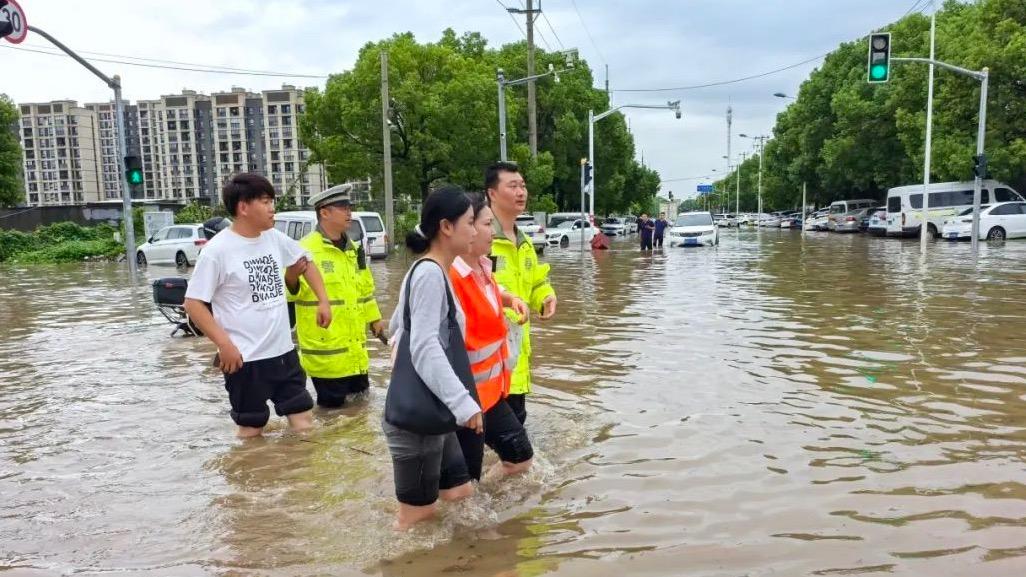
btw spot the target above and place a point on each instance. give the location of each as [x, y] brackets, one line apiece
[409, 404]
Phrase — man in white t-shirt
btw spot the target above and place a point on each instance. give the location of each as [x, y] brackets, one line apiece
[236, 296]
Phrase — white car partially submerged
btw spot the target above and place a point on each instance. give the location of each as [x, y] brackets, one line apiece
[569, 231]
[999, 221]
[694, 229]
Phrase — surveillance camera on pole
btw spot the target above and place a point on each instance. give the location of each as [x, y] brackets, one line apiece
[570, 57]
[675, 106]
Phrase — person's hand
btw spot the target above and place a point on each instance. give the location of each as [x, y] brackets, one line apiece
[476, 423]
[323, 314]
[379, 329]
[229, 359]
[549, 308]
[520, 307]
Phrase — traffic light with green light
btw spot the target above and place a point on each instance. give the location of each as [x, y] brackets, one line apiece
[879, 57]
[133, 170]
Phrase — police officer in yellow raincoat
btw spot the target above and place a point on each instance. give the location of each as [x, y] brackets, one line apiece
[336, 357]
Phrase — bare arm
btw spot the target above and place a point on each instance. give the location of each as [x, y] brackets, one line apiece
[229, 357]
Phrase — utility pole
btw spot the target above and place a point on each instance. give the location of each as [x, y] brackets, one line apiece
[532, 110]
[730, 119]
[804, 193]
[530, 12]
[386, 142]
[929, 134]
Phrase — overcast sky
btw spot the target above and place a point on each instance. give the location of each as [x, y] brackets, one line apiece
[646, 43]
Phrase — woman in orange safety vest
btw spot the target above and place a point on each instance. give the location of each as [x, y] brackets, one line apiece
[483, 303]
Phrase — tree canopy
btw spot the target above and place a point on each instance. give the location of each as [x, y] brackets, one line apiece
[444, 115]
[12, 191]
[846, 138]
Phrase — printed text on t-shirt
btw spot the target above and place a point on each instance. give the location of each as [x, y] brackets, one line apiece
[264, 278]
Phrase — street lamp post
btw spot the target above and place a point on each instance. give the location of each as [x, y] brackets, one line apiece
[593, 118]
[737, 201]
[760, 143]
[500, 78]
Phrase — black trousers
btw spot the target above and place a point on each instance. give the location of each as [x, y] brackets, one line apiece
[646, 242]
[659, 241]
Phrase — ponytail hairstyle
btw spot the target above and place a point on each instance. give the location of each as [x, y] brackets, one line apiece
[446, 203]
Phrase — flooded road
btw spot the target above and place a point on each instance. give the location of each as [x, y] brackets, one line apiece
[773, 406]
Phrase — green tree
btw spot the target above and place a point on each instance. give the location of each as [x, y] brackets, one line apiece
[445, 116]
[845, 137]
[12, 192]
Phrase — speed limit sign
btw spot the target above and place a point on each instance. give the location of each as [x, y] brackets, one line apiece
[13, 25]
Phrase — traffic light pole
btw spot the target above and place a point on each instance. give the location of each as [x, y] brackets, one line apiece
[126, 190]
[981, 133]
[584, 163]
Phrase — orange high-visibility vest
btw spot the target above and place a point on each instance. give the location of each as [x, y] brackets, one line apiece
[486, 337]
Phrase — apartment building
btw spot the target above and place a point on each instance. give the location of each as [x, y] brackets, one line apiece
[238, 135]
[189, 144]
[61, 153]
[110, 168]
[287, 159]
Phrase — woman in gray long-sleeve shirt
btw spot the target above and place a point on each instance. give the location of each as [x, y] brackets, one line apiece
[427, 467]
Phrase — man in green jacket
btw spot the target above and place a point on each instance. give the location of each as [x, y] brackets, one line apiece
[517, 268]
[336, 357]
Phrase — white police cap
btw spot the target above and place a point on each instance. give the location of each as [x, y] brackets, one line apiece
[335, 194]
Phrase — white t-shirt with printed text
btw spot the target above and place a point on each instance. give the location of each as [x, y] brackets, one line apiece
[243, 279]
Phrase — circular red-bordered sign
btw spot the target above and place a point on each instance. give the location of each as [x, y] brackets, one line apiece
[16, 16]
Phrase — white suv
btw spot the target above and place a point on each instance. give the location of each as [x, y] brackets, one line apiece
[179, 244]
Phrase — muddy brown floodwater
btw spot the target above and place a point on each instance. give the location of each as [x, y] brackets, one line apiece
[773, 406]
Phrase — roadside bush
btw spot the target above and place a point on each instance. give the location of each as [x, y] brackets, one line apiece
[194, 212]
[72, 251]
[13, 242]
[59, 242]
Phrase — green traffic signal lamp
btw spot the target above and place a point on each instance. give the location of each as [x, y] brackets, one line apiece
[133, 170]
[879, 57]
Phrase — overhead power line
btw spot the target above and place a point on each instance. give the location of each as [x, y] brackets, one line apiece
[724, 82]
[513, 18]
[170, 67]
[588, 32]
[558, 40]
[754, 76]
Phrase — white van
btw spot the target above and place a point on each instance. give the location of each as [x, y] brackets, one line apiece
[376, 241]
[298, 223]
[840, 210]
[947, 199]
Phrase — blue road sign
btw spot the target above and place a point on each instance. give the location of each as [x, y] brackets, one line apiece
[705, 188]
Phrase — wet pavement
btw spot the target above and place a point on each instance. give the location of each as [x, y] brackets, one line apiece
[777, 405]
